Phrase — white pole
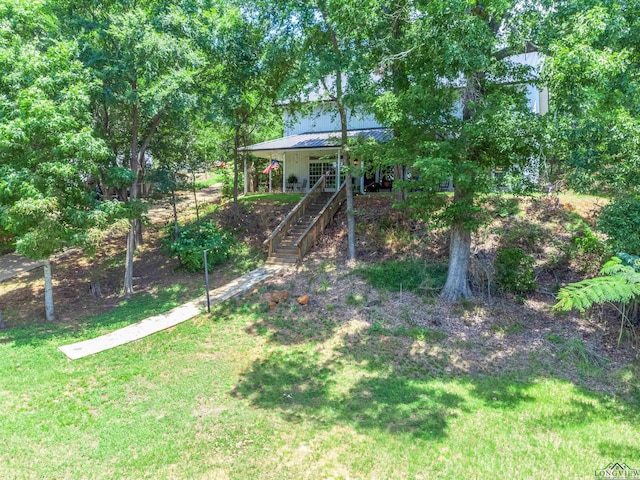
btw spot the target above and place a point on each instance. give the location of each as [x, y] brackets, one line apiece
[284, 172]
[338, 173]
[269, 181]
[246, 184]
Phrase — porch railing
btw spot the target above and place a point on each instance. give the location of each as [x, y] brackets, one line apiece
[309, 238]
[273, 241]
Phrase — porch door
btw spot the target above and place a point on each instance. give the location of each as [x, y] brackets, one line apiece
[317, 168]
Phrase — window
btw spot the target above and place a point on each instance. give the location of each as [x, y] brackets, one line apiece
[317, 168]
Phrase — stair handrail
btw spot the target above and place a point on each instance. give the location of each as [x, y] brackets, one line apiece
[309, 237]
[294, 215]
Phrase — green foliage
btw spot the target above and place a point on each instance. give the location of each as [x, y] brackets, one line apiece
[118, 177]
[47, 144]
[502, 206]
[196, 237]
[523, 234]
[620, 220]
[227, 183]
[592, 69]
[410, 275]
[619, 283]
[584, 356]
[514, 271]
[586, 250]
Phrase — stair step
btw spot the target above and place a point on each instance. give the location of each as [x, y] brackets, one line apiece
[282, 259]
[286, 250]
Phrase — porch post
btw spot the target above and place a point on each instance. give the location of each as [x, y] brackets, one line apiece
[269, 181]
[246, 183]
[338, 172]
[362, 178]
[284, 172]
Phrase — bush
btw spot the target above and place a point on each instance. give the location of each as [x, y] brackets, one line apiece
[587, 250]
[620, 220]
[522, 234]
[196, 237]
[501, 206]
[514, 271]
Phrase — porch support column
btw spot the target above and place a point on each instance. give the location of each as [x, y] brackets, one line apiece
[362, 178]
[270, 162]
[338, 172]
[246, 177]
[284, 172]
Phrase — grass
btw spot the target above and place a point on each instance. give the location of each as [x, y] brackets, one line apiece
[234, 396]
[214, 178]
[408, 275]
[277, 198]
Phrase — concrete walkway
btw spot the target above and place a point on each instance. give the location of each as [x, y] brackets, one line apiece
[171, 318]
[13, 264]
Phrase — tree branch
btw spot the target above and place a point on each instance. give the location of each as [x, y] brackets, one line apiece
[154, 126]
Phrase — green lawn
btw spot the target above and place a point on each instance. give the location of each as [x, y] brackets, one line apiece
[275, 197]
[249, 395]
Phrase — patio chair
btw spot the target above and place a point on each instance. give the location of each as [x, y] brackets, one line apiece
[303, 187]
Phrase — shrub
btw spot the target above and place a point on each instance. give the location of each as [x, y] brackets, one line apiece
[620, 220]
[503, 207]
[196, 237]
[586, 249]
[523, 235]
[514, 271]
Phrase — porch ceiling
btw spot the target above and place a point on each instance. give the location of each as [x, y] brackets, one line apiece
[317, 140]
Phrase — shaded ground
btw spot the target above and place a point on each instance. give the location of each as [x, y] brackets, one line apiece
[493, 334]
[22, 298]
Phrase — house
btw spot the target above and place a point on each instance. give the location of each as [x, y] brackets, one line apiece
[311, 143]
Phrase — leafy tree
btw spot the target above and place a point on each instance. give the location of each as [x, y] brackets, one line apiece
[330, 57]
[47, 147]
[253, 66]
[146, 57]
[449, 87]
[592, 68]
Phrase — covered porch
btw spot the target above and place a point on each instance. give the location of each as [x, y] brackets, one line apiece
[302, 159]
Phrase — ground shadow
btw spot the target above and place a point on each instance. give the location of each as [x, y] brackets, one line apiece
[302, 386]
[403, 386]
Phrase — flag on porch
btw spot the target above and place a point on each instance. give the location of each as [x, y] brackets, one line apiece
[272, 166]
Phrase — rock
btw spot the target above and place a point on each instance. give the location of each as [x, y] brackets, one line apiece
[275, 297]
[279, 296]
[303, 300]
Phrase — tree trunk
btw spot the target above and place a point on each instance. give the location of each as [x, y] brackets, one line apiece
[128, 264]
[48, 291]
[95, 289]
[351, 221]
[344, 146]
[457, 285]
[2, 324]
[133, 195]
[138, 240]
[399, 173]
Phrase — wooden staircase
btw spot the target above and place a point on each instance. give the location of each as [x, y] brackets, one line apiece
[299, 231]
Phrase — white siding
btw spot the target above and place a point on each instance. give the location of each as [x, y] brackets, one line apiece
[323, 120]
[297, 163]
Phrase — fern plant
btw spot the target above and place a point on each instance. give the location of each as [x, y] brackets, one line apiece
[619, 285]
